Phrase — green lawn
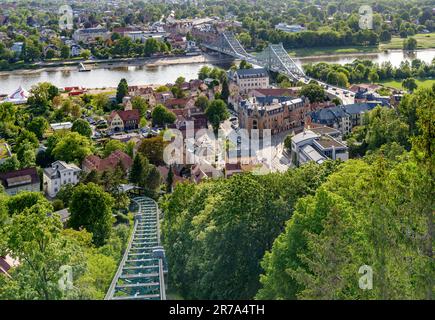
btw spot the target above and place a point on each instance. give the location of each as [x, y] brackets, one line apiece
[426, 83]
[424, 41]
[306, 52]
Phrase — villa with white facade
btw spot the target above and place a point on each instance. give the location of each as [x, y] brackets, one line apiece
[60, 173]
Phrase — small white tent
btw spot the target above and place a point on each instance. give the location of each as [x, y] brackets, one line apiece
[19, 96]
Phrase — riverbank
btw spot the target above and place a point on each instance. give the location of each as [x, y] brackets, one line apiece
[118, 63]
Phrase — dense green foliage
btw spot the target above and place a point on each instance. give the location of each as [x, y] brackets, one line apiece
[325, 222]
[377, 212]
[91, 209]
[365, 70]
[216, 233]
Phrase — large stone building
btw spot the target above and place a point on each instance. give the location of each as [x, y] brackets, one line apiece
[248, 79]
[276, 115]
[90, 34]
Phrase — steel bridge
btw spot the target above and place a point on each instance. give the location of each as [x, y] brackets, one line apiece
[141, 273]
[274, 58]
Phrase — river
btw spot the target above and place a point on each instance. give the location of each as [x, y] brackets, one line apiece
[167, 73]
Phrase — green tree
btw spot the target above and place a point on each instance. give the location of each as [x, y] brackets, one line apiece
[410, 44]
[122, 90]
[35, 238]
[140, 103]
[409, 84]
[82, 127]
[216, 113]
[202, 102]
[91, 209]
[85, 54]
[72, 147]
[162, 116]
[65, 52]
[113, 145]
[225, 91]
[38, 126]
[314, 92]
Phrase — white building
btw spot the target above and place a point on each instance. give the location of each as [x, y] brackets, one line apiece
[318, 145]
[61, 126]
[289, 28]
[143, 36]
[248, 79]
[59, 174]
[91, 34]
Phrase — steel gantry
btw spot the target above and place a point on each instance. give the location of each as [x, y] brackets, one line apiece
[140, 275]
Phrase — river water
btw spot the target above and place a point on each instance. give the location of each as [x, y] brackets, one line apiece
[141, 75]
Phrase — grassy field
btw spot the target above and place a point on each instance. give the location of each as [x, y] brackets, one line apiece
[426, 83]
[424, 41]
[307, 52]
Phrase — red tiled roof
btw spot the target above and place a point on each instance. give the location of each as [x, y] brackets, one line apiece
[93, 162]
[275, 91]
[126, 115]
[177, 102]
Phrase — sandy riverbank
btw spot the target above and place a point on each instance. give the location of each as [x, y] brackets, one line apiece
[108, 64]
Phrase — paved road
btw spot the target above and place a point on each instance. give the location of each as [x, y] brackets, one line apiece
[279, 162]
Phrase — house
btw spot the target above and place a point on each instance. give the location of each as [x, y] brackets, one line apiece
[20, 180]
[93, 162]
[263, 113]
[317, 146]
[143, 36]
[60, 173]
[248, 79]
[121, 120]
[180, 103]
[19, 96]
[343, 118]
[61, 126]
